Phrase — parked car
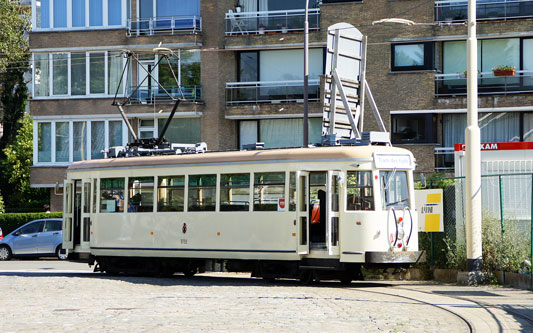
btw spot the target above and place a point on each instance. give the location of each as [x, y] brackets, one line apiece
[37, 238]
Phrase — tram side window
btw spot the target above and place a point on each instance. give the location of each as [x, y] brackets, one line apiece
[112, 195]
[141, 194]
[269, 188]
[235, 192]
[171, 194]
[395, 192]
[202, 193]
[292, 192]
[360, 195]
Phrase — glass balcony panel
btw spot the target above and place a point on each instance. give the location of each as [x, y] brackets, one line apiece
[446, 11]
[455, 84]
[169, 25]
[271, 21]
[270, 92]
[159, 95]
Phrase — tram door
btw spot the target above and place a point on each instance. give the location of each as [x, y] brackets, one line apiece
[77, 198]
[85, 214]
[302, 185]
[68, 214]
[332, 216]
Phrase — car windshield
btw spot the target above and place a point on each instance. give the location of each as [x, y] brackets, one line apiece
[395, 192]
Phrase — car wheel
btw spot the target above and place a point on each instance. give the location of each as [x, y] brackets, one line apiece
[5, 252]
[61, 256]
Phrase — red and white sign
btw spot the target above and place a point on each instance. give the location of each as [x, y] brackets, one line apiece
[499, 146]
[281, 204]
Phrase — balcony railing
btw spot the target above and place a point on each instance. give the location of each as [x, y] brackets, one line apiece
[158, 95]
[453, 11]
[455, 84]
[270, 91]
[272, 21]
[171, 25]
[444, 159]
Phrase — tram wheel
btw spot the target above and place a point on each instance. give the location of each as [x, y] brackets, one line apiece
[307, 277]
[190, 272]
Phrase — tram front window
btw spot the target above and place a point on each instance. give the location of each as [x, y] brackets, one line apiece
[395, 192]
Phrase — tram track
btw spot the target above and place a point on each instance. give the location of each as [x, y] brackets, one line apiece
[465, 320]
[487, 306]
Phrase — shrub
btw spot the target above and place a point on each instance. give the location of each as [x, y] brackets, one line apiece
[11, 221]
[501, 252]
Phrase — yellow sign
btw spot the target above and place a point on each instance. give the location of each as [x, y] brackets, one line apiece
[430, 209]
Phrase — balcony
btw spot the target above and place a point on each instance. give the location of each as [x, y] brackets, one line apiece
[270, 92]
[444, 159]
[158, 95]
[457, 11]
[488, 84]
[171, 25]
[278, 21]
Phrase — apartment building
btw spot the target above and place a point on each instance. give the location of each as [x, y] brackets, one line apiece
[240, 66]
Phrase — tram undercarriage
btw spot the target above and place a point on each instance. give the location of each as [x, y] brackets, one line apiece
[307, 270]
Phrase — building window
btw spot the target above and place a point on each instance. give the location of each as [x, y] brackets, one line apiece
[62, 142]
[202, 193]
[171, 194]
[412, 57]
[44, 147]
[78, 74]
[80, 141]
[413, 128]
[279, 133]
[359, 192]
[53, 72]
[78, 17]
[60, 74]
[112, 195]
[269, 188]
[235, 192]
[182, 130]
[88, 139]
[168, 8]
[141, 194]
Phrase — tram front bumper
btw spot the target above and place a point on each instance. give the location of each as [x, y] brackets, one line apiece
[400, 257]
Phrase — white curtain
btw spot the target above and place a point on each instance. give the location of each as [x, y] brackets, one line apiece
[500, 127]
[495, 127]
[278, 133]
[527, 51]
[60, 74]
[247, 132]
[115, 133]
[42, 75]
[286, 65]
[80, 141]
[528, 126]
[62, 142]
[115, 71]
[97, 139]
[250, 5]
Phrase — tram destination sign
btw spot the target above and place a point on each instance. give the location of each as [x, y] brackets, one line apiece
[393, 161]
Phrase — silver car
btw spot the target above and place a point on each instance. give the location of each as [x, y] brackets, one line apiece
[35, 238]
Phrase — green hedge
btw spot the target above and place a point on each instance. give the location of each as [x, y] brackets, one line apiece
[11, 221]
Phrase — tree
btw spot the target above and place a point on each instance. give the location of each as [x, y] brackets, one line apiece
[14, 57]
[19, 159]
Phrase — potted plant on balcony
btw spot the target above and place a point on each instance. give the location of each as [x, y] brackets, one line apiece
[503, 70]
[465, 72]
[261, 29]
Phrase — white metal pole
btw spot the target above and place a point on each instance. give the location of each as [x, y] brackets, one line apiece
[472, 151]
[306, 75]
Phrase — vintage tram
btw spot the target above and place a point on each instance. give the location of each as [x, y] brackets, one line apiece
[307, 213]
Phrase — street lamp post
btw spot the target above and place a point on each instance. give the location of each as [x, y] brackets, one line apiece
[472, 152]
[306, 75]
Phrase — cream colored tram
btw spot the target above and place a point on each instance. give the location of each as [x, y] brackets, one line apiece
[305, 213]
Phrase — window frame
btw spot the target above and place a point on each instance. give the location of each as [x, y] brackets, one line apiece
[260, 207]
[132, 208]
[159, 207]
[358, 186]
[125, 8]
[429, 50]
[71, 122]
[228, 207]
[124, 191]
[429, 124]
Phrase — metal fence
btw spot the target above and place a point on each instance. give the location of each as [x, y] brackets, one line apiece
[507, 215]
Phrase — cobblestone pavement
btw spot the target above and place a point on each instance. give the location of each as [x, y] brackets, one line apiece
[73, 299]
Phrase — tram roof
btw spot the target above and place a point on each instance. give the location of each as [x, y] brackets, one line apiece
[318, 154]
